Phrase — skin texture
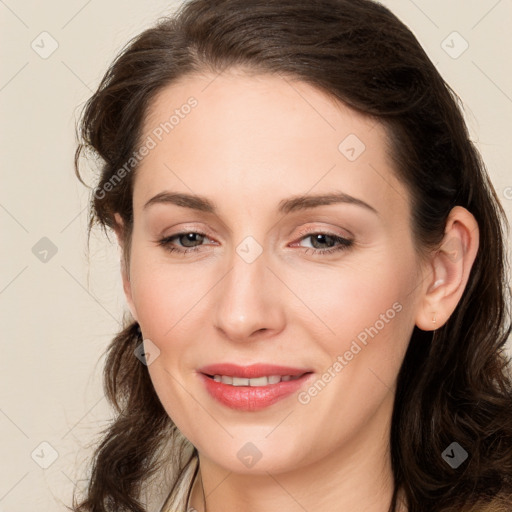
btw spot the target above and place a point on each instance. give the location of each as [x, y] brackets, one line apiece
[251, 142]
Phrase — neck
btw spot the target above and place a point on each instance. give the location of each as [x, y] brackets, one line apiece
[356, 476]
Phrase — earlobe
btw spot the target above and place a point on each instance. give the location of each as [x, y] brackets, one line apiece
[125, 275]
[449, 269]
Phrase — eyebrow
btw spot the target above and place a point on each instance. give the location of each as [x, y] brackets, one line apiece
[292, 204]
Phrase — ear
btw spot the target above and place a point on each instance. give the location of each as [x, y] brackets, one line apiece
[125, 275]
[448, 271]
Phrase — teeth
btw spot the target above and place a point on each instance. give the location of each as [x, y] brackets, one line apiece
[259, 381]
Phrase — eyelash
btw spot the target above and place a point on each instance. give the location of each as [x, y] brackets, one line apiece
[344, 243]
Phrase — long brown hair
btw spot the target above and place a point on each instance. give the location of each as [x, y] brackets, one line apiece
[454, 384]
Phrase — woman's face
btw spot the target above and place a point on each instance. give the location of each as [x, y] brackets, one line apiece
[277, 271]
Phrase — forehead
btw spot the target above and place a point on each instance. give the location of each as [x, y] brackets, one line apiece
[239, 104]
[266, 137]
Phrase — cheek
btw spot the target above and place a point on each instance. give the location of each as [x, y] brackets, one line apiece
[371, 316]
[344, 301]
[167, 300]
[165, 294]
[368, 317]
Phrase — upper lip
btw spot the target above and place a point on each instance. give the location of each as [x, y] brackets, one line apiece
[252, 371]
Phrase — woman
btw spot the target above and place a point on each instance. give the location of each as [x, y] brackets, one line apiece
[314, 261]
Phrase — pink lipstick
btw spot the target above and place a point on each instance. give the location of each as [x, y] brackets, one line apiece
[254, 387]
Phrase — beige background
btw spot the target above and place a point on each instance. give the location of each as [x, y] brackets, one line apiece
[59, 315]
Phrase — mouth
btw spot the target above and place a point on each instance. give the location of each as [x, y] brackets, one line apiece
[254, 387]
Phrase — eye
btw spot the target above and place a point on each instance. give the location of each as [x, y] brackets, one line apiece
[319, 241]
[190, 241]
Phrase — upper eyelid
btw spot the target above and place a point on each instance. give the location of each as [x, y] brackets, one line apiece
[322, 229]
[327, 231]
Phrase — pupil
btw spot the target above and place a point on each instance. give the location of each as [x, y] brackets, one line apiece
[318, 238]
[189, 238]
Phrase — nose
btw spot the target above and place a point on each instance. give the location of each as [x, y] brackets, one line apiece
[248, 303]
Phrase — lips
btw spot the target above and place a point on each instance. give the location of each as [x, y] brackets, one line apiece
[254, 387]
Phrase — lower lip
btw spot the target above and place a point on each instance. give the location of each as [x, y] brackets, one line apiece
[252, 398]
